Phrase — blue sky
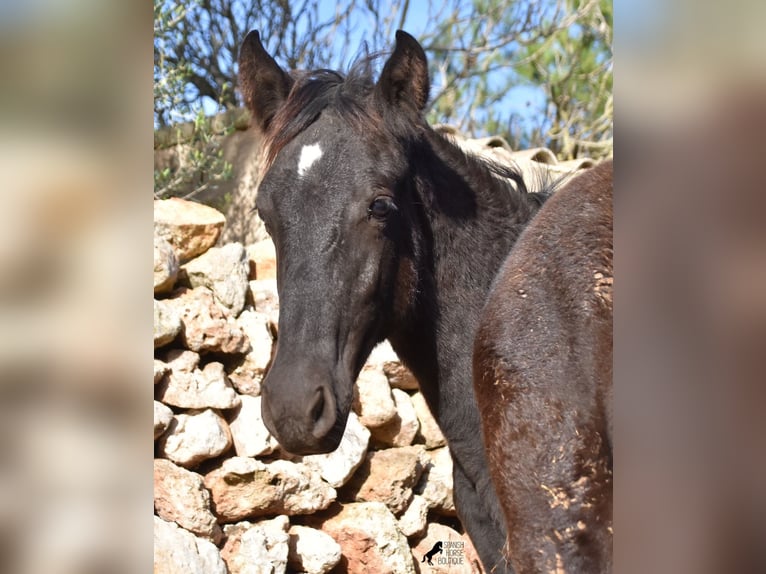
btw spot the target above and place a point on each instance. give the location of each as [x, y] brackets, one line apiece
[522, 101]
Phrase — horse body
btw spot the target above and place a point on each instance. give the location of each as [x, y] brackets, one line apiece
[543, 380]
[383, 229]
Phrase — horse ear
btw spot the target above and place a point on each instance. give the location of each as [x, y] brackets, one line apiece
[405, 75]
[264, 85]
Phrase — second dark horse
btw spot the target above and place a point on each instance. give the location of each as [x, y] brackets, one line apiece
[543, 381]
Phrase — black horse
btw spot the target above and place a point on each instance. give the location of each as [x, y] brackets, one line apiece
[543, 379]
[383, 229]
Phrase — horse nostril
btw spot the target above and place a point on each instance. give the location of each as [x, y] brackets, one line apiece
[318, 409]
[322, 412]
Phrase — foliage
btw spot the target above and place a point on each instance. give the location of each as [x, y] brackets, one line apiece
[206, 43]
[573, 65]
[485, 55]
[481, 53]
[199, 159]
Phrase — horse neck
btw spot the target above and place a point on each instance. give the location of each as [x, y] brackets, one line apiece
[471, 221]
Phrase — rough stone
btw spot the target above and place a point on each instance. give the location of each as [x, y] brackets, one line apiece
[373, 401]
[246, 376]
[162, 417]
[338, 466]
[199, 389]
[403, 428]
[160, 370]
[429, 432]
[191, 228]
[181, 497]
[458, 555]
[167, 323]
[436, 485]
[369, 538]
[263, 293]
[181, 361]
[246, 487]
[177, 551]
[263, 259]
[399, 376]
[223, 270]
[207, 326]
[381, 354]
[252, 370]
[165, 266]
[194, 437]
[387, 476]
[312, 551]
[257, 548]
[250, 435]
[414, 519]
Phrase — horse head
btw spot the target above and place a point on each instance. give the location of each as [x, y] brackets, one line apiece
[336, 198]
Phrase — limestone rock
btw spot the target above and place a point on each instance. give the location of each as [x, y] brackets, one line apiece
[338, 466]
[265, 299]
[191, 228]
[403, 428]
[312, 551]
[436, 484]
[246, 487]
[199, 389]
[177, 551]
[181, 497]
[263, 259]
[165, 266]
[162, 418]
[264, 294]
[400, 377]
[429, 432]
[384, 357]
[194, 437]
[223, 270]
[207, 326]
[381, 354]
[167, 323]
[257, 548]
[373, 401]
[250, 435]
[414, 519]
[181, 361]
[387, 476]
[369, 538]
[160, 370]
[458, 555]
[247, 376]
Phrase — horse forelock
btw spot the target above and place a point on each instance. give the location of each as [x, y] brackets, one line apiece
[317, 90]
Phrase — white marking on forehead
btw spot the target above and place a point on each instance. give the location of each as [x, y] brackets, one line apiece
[309, 154]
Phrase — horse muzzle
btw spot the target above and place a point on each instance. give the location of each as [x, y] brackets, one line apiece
[303, 417]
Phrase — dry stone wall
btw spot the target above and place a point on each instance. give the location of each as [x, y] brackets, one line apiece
[227, 498]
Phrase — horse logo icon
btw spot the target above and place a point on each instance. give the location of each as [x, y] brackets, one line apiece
[433, 552]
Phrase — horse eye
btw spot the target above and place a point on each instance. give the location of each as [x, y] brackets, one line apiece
[381, 207]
